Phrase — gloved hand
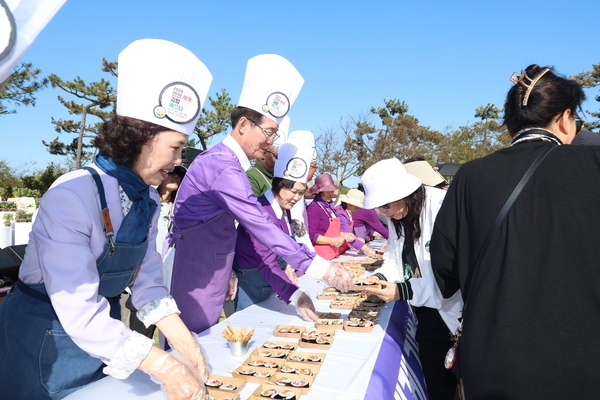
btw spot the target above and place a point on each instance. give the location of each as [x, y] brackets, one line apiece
[232, 288]
[383, 246]
[348, 236]
[369, 252]
[337, 241]
[176, 380]
[338, 277]
[305, 308]
[291, 273]
[193, 356]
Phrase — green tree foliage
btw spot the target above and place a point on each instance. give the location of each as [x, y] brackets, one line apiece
[42, 180]
[479, 139]
[400, 136]
[213, 122]
[97, 99]
[8, 180]
[20, 87]
[591, 79]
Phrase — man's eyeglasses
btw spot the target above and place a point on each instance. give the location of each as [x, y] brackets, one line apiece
[578, 124]
[269, 135]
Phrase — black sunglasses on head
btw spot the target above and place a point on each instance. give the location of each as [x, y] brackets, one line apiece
[578, 124]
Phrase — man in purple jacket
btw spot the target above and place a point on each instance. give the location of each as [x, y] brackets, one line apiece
[216, 192]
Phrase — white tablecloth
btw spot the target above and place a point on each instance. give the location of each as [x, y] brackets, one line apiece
[345, 373]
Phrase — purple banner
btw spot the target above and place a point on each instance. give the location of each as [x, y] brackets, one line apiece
[397, 373]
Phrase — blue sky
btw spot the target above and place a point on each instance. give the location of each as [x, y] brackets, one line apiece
[443, 58]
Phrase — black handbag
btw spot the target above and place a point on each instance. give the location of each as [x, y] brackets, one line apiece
[452, 360]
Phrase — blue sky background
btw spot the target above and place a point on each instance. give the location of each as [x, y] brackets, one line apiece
[443, 58]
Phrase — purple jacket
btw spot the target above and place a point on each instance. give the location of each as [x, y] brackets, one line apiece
[368, 222]
[251, 253]
[318, 219]
[215, 192]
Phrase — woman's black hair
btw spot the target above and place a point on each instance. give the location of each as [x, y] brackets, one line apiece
[412, 221]
[279, 183]
[538, 97]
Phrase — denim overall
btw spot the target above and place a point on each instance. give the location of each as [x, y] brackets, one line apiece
[40, 360]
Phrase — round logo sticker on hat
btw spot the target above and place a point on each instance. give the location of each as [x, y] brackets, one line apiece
[277, 105]
[296, 168]
[179, 102]
[8, 30]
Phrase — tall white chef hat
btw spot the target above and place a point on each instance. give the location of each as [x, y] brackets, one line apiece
[308, 137]
[20, 23]
[271, 86]
[284, 129]
[293, 161]
[163, 83]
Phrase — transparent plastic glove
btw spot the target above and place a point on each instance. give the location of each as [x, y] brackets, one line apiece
[305, 308]
[348, 237]
[232, 288]
[291, 273]
[338, 277]
[369, 252]
[383, 246]
[337, 241]
[192, 354]
[176, 380]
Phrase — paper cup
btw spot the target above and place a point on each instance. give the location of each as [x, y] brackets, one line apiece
[238, 349]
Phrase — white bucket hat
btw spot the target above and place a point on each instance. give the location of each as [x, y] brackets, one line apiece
[424, 171]
[162, 83]
[271, 85]
[387, 181]
[354, 197]
[293, 161]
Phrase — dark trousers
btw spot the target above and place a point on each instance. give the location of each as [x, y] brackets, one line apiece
[434, 341]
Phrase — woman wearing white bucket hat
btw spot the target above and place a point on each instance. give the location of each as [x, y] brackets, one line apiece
[411, 209]
[349, 204]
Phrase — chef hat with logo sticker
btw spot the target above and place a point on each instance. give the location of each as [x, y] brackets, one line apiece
[283, 131]
[308, 137]
[20, 23]
[271, 86]
[163, 83]
[293, 161]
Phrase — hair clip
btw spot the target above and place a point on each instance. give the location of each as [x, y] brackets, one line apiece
[520, 79]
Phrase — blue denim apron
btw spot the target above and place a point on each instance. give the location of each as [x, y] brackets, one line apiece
[37, 356]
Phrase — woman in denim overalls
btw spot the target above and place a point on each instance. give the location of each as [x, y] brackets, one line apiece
[93, 236]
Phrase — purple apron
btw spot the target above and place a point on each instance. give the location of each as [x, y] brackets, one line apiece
[200, 279]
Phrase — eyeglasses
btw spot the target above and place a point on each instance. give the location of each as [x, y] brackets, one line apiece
[270, 135]
[578, 124]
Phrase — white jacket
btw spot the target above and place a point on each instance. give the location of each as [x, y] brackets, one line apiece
[425, 290]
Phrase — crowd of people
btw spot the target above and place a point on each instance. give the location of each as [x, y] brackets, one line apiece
[497, 266]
